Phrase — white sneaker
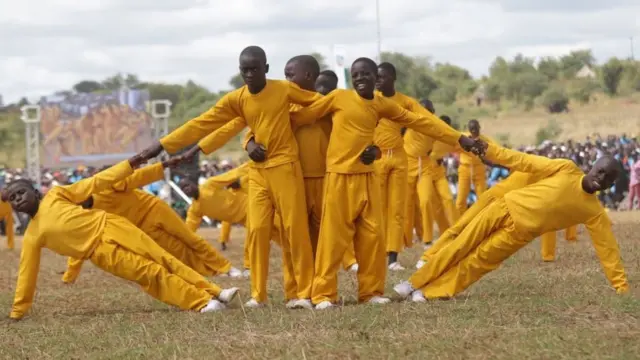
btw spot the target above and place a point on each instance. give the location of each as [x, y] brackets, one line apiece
[418, 297]
[324, 305]
[404, 289]
[379, 300]
[427, 246]
[303, 304]
[253, 303]
[235, 273]
[246, 273]
[396, 266]
[354, 268]
[420, 264]
[213, 305]
[291, 304]
[227, 295]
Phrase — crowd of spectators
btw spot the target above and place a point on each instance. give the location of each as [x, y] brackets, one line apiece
[622, 196]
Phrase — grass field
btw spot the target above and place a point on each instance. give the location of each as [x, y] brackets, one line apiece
[526, 310]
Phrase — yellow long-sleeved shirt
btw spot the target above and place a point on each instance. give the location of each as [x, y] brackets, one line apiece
[6, 212]
[557, 202]
[467, 158]
[126, 200]
[313, 141]
[266, 114]
[354, 123]
[63, 227]
[217, 203]
[388, 134]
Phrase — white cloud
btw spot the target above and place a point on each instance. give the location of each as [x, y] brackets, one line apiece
[51, 44]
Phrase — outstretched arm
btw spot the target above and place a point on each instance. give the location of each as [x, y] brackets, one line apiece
[518, 161]
[222, 112]
[607, 251]
[299, 96]
[218, 138]
[320, 108]
[80, 191]
[194, 217]
[27, 277]
[421, 121]
[141, 177]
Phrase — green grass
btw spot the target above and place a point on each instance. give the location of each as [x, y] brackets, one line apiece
[525, 310]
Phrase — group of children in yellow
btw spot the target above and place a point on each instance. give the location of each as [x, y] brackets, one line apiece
[337, 178]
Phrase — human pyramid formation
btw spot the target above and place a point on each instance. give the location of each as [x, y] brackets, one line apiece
[325, 182]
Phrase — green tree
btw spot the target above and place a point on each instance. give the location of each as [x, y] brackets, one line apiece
[87, 86]
[321, 60]
[555, 100]
[574, 61]
[236, 81]
[550, 68]
[611, 74]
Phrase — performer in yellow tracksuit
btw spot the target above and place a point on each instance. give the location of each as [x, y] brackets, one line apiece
[276, 184]
[440, 207]
[6, 213]
[559, 201]
[351, 187]
[391, 168]
[158, 220]
[548, 242]
[471, 170]
[420, 184]
[516, 180]
[237, 180]
[111, 242]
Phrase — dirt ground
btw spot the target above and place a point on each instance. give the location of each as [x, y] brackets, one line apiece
[525, 310]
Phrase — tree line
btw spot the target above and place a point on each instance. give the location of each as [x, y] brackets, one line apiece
[553, 83]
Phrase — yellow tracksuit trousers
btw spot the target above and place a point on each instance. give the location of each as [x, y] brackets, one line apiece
[391, 170]
[278, 189]
[466, 174]
[128, 253]
[479, 249]
[352, 216]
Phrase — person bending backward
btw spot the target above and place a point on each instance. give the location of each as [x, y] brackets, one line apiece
[352, 214]
[471, 170]
[564, 197]
[111, 242]
[158, 220]
[516, 180]
[276, 184]
[6, 213]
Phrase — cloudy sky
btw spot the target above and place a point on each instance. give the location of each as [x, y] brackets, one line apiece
[48, 45]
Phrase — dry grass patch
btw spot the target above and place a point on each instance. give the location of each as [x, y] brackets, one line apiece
[526, 310]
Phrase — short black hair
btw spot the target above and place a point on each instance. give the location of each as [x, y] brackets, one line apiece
[473, 121]
[15, 183]
[309, 62]
[446, 119]
[388, 67]
[256, 51]
[329, 73]
[369, 62]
